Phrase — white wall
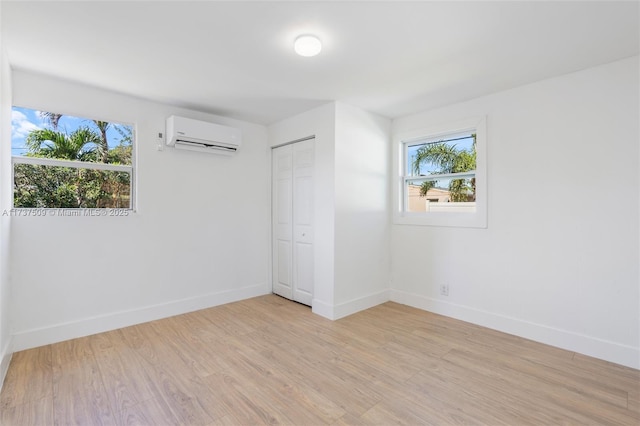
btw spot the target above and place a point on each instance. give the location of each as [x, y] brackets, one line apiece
[362, 210]
[321, 123]
[351, 205]
[564, 272]
[199, 236]
[5, 220]
[558, 262]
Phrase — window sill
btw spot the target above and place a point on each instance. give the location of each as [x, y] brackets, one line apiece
[446, 219]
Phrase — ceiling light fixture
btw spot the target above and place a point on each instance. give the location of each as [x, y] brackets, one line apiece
[307, 45]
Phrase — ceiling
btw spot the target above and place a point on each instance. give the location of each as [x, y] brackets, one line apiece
[236, 58]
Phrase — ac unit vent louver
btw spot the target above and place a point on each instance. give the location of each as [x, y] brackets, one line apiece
[202, 136]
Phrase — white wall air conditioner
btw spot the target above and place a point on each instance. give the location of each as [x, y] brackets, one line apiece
[201, 136]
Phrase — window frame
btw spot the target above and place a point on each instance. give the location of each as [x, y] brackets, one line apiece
[54, 162]
[401, 140]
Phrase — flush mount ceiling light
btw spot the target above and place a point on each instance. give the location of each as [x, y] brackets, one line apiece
[307, 45]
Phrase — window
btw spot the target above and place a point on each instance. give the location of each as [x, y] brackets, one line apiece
[442, 177]
[61, 161]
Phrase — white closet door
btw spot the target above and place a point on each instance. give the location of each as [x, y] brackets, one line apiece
[292, 199]
[282, 220]
[303, 162]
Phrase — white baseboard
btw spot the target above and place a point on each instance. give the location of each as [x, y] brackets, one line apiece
[5, 359]
[587, 345]
[57, 333]
[334, 312]
[342, 310]
[321, 308]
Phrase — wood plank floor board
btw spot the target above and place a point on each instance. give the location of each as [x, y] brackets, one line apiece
[270, 361]
[392, 412]
[171, 379]
[291, 341]
[614, 370]
[29, 378]
[556, 368]
[580, 386]
[349, 420]
[226, 390]
[223, 321]
[375, 366]
[303, 361]
[171, 382]
[446, 338]
[310, 407]
[484, 398]
[277, 398]
[79, 396]
[134, 336]
[603, 371]
[190, 350]
[370, 332]
[563, 376]
[202, 395]
[328, 379]
[362, 335]
[253, 321]
[246, 403]
[125, 381]
[163, 349]
[446, 401]
[228, 421]
[34, 413]
[149, 412]
[387, 324]
[72, 350]
[406, 412]
[518, 345]
[633, 401]
[414, 356]
[554, 396]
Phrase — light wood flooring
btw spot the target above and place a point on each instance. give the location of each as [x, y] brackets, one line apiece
[270, 361]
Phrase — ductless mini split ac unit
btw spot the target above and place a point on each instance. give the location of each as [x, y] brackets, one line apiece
[202, 136]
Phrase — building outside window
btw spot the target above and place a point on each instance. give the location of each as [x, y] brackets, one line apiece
[442, 175]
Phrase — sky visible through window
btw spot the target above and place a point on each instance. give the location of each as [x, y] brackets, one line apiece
[25, 120]
[461, 143]
[45, 147]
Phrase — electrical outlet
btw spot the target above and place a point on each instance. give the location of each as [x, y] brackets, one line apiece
[444, 289]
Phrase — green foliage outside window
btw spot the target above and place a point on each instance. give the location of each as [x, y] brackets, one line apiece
[37, 186]
[447, 158]
[51, 186]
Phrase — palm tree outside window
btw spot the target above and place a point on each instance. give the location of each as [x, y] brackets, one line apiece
[61, 161]
[440, 170]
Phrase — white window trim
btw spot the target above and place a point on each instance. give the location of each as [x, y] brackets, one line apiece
[44, 161]
[21, 159]
[477, 219]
